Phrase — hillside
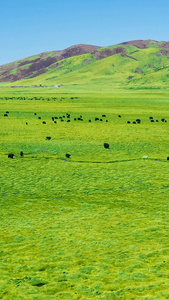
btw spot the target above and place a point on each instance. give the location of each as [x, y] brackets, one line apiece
[141, 62]
[35, 65]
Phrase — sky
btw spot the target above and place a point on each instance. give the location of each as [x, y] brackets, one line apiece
[29, 27]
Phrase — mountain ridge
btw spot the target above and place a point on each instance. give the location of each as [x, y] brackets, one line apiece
[41, 61]
[137, 59]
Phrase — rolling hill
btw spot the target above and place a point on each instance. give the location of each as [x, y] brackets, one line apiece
[140, 62]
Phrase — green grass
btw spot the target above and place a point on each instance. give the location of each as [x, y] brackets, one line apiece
[31, 58]
[14, 72]
[50, 54]
[94, 226]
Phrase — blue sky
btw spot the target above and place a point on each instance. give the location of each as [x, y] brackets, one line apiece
[29, 27]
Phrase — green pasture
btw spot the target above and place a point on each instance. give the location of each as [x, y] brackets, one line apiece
[95, 225]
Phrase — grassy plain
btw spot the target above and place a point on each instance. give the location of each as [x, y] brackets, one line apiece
[94, 226]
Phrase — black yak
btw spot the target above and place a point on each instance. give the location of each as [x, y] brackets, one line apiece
[106, 145]
[11, 155]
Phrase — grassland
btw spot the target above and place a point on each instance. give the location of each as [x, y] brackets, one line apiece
[94, 226]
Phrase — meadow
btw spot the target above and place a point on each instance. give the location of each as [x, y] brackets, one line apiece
[95, 225]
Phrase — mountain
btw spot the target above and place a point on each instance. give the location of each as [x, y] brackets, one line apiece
[37, 64]
[140, 62]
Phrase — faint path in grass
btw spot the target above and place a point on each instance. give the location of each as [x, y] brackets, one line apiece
[110, 162]
[96, 162]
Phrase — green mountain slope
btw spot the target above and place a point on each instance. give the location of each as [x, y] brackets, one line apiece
[130, 63]
[33, 66]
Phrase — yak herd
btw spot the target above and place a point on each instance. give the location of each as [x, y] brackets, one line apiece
[66, 117]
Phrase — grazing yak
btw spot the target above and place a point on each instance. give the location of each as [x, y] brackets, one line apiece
[106, 145]
[11, 155]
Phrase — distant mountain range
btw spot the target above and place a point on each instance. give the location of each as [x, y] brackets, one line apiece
[140, 62]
